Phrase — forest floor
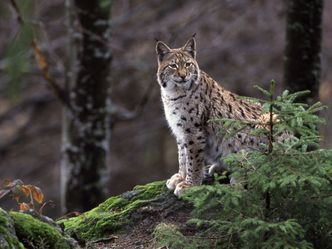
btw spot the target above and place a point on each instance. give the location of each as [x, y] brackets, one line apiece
[157, 206]
[140, 235]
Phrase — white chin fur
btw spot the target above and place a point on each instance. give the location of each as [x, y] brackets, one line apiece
[186, 85]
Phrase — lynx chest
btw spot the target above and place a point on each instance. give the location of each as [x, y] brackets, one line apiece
[183, 116]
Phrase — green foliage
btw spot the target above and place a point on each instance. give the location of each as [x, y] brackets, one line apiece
[18, 53]
[105, 5]
[283, 193]
[167, 235]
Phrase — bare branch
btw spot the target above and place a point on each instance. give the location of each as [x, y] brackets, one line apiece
[43, 65]
[25, 104]
[18, 13]
[119, 113]
[29, 106]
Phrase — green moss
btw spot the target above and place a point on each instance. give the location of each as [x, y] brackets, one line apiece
[37, 234]
[8, 238]
[114, 213]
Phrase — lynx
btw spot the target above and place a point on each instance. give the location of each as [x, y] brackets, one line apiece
[191, 98]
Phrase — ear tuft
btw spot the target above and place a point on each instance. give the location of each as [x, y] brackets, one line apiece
[190, 46]
[161, 49]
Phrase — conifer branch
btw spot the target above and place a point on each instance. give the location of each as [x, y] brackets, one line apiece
[271, 117]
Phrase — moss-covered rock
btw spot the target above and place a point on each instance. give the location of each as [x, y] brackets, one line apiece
[8, 238]
[113, 214]
[134, 214]
[34, 233]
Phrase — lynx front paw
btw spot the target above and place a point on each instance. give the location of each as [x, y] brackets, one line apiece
[174, 181]
[180, 188]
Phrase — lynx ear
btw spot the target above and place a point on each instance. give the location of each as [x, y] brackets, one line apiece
[161, 49]
[190, 47]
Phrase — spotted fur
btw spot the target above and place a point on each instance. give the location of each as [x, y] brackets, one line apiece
[191, 98]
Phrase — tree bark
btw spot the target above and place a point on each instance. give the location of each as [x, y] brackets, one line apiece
[86, 133]
[303, 46]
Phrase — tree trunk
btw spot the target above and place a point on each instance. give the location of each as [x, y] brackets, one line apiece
[85, 148]
[303, 47]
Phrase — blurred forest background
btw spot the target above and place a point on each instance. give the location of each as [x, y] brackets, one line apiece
[240, 43]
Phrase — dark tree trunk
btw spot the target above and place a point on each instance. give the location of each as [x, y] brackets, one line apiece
[85, 149]
[303, 47]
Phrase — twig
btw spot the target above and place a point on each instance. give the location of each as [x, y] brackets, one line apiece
[44, 67]
[16, 138]
[108, 239]
[20, 132]
[119, 113]
[17, 10]
[25, 104]
[271, 125]
[69, 215]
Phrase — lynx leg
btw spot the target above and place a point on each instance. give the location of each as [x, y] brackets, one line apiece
[178, 177]
[182, 159]
[194, 162]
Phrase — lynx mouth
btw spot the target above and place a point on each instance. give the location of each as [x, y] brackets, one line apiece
[186, 84]
[181, 81]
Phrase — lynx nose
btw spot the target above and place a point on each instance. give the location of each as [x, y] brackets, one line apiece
[183, 77]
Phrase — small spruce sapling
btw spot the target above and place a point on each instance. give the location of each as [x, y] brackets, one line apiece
[283, 192]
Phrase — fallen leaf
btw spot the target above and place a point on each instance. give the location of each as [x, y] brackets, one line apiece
[24, 206]
[37, 194]
[25, 189]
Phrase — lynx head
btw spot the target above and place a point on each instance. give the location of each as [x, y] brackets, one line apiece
[177, 67]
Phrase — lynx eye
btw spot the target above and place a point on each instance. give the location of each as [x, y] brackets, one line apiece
[173, 66]
[187, 64]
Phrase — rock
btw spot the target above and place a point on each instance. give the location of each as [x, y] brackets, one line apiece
[115, 213]
[8, 238]
[35, 233]
[22, 230]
